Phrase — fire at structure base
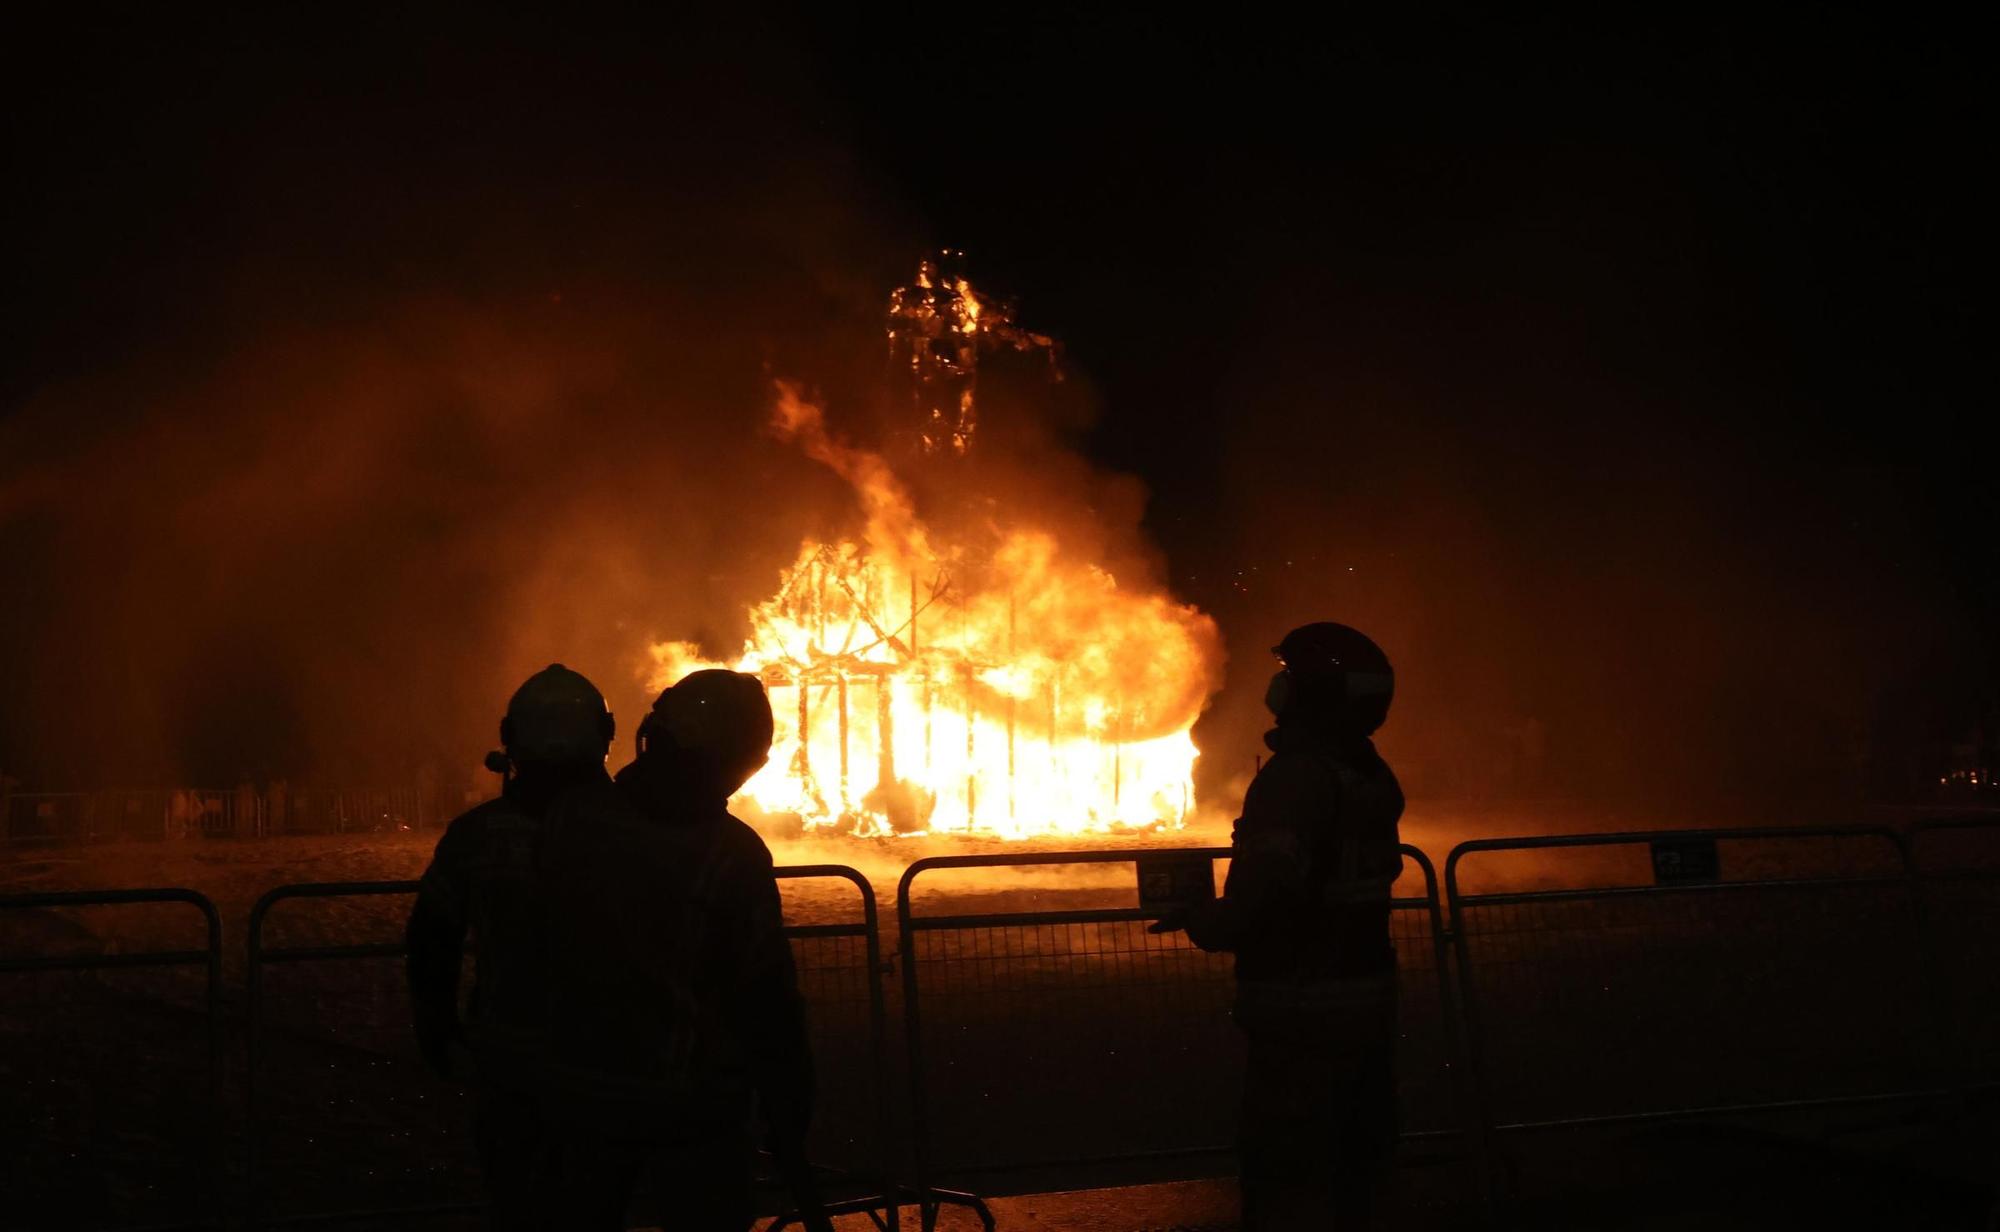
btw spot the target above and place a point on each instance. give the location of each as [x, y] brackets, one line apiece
[922, 685]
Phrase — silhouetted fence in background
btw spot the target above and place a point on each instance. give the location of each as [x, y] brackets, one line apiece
[244, 811]
[115, 816]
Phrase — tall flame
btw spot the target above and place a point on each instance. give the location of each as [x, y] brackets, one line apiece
[925, 686]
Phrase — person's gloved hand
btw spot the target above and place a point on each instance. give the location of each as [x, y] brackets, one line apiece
[1204, 923]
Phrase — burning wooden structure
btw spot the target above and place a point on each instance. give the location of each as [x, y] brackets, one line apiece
[928, 685]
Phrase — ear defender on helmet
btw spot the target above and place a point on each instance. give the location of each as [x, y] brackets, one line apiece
[1278, 694]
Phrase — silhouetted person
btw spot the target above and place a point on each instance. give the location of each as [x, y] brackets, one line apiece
[633, 984]
[1306, 912]
[487, 878]
[711, 941]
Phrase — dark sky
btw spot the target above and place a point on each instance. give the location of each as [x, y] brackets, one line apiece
[1620, 375]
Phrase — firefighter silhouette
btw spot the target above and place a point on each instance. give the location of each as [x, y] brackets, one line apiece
[1306, 912]
[632, 982]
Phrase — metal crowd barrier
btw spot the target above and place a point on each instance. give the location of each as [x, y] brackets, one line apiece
[1806, 969]
[353, 1076]
[1958, 875]
[840, 972]
[358, 1059]
[1639, 1002]
[128, 1070]
[1125, 1033]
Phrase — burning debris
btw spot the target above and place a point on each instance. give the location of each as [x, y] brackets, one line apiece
[924, 683]
[938, 326]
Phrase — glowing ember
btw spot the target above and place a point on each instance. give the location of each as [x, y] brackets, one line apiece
[925, 686]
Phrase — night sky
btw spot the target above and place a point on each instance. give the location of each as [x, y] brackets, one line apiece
[1621, 377]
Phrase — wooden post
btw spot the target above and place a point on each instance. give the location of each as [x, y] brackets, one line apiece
[845, 799]
[885, 732]
[803, 766]
[1011, 706]
[1118, 772]
[971, 778]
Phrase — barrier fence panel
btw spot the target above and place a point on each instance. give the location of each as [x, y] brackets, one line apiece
[1788, 974]
[1958, 870]
[836, 945]
[110, 1061]
[830, 920]
[1054, 1041]
[1430, 1069]
[345, 1122]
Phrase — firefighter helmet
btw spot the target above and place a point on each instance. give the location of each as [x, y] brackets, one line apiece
[721, 717]
[1334, 670]
[557, 717]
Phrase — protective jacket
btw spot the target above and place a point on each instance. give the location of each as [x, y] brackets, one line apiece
[1314, 857]
[484, 880]
[710, 936]
[631, 957]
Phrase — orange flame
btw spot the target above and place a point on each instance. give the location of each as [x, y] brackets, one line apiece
[923, 687]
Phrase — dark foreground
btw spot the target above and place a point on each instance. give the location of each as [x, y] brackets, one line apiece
[1065, 1054]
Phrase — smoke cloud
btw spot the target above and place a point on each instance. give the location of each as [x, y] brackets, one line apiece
[320, 528]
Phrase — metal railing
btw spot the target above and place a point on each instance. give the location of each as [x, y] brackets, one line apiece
[1640, 1002]
[840, 970]
[358, 1053]
[1126, 1033]
[1957, 863]
[135, 1069]
[1810, 969]
[355, 1074]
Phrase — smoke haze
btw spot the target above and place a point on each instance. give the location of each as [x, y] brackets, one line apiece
[358, 375]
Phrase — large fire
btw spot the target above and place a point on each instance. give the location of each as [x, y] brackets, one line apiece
[1002, 689]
